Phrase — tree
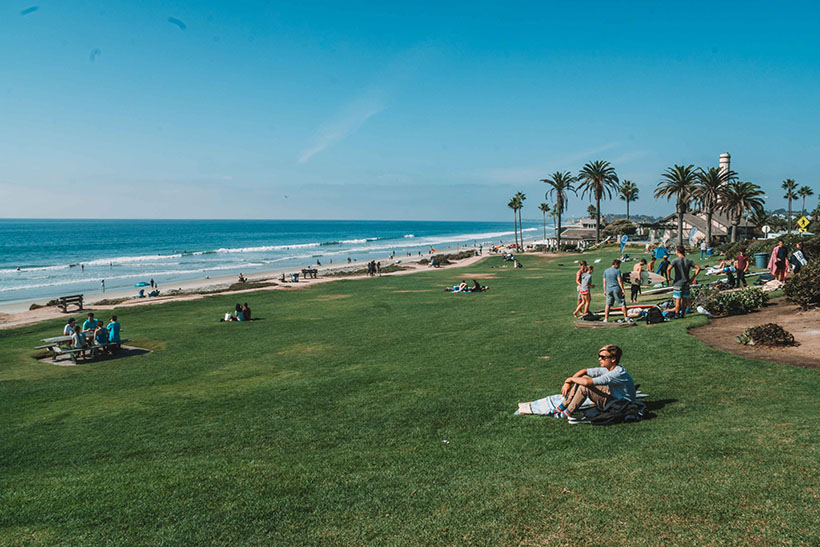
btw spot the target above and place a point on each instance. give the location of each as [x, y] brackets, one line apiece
[707, 192]
[520, 197]
[598, 179]
[759, 219]
[592, 211]
[739, 198]
[513, 204]
[628, 191]
[804, 192]
[789, 185]
[560, 183]
[545, 208]
[678, 181]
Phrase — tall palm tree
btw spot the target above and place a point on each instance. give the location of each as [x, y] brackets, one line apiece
[789, 185]
[678, 181]
[513, 204]
[739, 198]
[591, 211]
[554, 214]
[560, 183]
[628, 191]
[707, 192]
[520, 197]
[598, 179]
[545, 208]
[804, 192]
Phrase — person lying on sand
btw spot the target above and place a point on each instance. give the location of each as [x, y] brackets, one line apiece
[608, 382]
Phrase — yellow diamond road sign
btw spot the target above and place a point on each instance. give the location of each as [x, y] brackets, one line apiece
[803, 223]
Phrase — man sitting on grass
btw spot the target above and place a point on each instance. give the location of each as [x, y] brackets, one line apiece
[601, 385]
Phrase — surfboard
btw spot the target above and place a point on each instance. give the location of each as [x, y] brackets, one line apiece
[647, 278]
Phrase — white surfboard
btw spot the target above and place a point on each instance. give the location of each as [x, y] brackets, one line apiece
[647, 278]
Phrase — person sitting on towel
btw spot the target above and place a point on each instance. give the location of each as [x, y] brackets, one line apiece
[602, 384]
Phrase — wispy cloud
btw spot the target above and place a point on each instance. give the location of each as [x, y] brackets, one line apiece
[517, 175]
[348, 120]
[628, 157]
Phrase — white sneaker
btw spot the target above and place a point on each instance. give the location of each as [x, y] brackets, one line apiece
[605, 321]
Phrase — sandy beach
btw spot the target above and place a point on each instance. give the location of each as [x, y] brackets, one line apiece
[19, 313]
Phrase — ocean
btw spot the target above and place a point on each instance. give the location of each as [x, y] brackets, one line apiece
[45, 258]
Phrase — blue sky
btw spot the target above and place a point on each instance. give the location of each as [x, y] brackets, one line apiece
[419, 110]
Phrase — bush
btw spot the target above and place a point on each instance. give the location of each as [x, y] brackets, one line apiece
[770, 334]
[811, 245]
[718, 301]
[803, 288]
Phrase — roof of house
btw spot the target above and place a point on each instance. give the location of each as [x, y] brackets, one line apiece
[578, 234]
[698, 218]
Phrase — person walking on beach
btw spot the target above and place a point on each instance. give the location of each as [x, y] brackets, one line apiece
[614, 290]
[680, 287]
[152, 282]
[102, 285]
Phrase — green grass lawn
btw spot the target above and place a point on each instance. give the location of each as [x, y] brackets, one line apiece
[323, 423]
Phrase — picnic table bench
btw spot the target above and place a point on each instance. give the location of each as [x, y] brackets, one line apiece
[61, 345]
[65, 301]
[310, 272]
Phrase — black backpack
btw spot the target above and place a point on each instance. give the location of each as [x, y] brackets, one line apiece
[616, 412]
[654, 315]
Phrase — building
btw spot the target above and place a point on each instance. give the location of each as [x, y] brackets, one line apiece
[721, 226]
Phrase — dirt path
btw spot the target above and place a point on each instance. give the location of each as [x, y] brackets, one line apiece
[721, 334]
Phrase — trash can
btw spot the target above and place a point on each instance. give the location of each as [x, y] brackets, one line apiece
[761, 260]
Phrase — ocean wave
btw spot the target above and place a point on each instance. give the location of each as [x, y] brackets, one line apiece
[34, 269]
[408, 235]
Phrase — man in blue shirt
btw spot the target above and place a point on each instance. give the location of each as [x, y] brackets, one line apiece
[113, 330]
[601, 384]
[90, 324]
[614, 289]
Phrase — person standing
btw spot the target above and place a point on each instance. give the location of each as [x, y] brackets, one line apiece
[741, 267]
[614, 290]
[703, 248]
[778, 264]
[635, 281]
[680, 287]
[102, 285]
[798, 259]
[584, 292]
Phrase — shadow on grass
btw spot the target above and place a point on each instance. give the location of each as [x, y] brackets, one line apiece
[654, 406]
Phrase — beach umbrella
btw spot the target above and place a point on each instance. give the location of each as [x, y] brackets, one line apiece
[142, 284]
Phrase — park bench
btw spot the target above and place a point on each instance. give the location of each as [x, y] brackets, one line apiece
[310, 272]
[65, 301]
[56, 349]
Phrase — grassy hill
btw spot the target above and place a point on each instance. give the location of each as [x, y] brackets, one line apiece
[324, 422]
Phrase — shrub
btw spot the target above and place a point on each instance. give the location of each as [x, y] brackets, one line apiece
[803, 288]
[811, 245]
[718, 301]
[770, 334]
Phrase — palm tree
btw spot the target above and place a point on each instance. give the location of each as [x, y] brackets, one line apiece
[520, 197]
[707, 192]
[789, 185]
[628, 191]
[554, 214]
[804, 192]
[545, 208]
[738, 199]
[678, 181]
[560, 184]
[591, 211]
[759, 219]
[513, 204]
[598, 179]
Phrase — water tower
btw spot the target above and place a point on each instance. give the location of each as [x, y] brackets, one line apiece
[725, 162]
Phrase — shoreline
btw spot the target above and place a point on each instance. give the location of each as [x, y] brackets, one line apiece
[18, 314]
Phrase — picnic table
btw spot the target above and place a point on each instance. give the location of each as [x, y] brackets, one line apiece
[65, 301]
[310, 272]
[61, 345]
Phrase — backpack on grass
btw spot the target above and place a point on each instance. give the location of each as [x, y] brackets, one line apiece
[654, 315]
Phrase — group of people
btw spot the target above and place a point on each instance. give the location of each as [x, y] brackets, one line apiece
[242, 312]
[613, 284]
[94, 332]
[464, 287]
[374, 268]
[780, 263]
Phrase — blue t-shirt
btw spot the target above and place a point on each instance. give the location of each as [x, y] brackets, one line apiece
[611, 277]
[90, 324]
[621, 385]
[661, 252]
[113, 331]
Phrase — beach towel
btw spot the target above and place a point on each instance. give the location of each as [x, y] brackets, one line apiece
[548, 405]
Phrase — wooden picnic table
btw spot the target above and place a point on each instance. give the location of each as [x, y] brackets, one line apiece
[61, 345]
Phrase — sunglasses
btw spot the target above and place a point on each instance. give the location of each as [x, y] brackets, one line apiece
[600, 356]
